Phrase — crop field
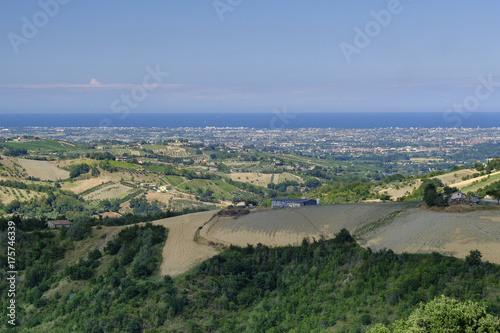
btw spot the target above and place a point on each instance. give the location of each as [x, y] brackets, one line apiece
[401, 227]
[181, 252]
[279, 227]
[174, 180]
[108, 192]
[43, 170]
[80, 186]
[44, 145]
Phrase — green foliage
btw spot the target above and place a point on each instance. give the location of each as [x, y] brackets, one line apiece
[95, 172]
[343, 192]
[141, 206]
[15, 152]
[78, 169]
[443, 315]
[474, 258]
[77, 231]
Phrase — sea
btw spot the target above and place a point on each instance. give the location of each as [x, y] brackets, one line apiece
[274, 120]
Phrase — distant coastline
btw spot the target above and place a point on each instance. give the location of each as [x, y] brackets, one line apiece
[254, 120]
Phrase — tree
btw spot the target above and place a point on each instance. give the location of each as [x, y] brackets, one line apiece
[95, 172]
[430, 195]
[445, 315]
[494, 192]
[474, 258]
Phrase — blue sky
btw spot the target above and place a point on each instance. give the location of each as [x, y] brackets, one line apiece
[88, 56]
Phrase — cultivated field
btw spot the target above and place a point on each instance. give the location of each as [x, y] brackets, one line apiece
[108, 192]
[181, 252]
[396, 226]
[420, 231]
[279, 227]
[80, 186]
[43, 170]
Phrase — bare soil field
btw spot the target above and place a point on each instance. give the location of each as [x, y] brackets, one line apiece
[279, 227]
[420, 231]
[181, 253]
[43, 170]
[80, 186]
[395, 226]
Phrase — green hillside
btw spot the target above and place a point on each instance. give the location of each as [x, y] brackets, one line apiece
[67, 285]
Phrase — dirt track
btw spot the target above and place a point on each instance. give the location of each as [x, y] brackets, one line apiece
[181, 252]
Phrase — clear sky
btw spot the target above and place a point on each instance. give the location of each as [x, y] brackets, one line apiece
[248, 56]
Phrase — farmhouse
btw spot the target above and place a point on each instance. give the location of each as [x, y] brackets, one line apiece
[59, 224]
[457, 197]
[293, 203]
[121, 158]
[164, 188]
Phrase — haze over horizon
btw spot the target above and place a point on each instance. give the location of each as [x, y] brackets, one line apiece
[248, 56]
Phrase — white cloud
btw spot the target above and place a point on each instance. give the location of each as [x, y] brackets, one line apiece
[94, 82]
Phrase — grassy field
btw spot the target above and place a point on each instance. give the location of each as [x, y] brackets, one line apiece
[220, 188]
[174, 180]
[484, 182]
[124, 165]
